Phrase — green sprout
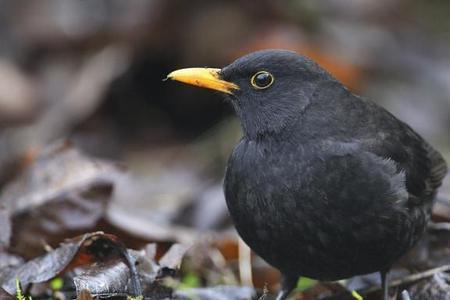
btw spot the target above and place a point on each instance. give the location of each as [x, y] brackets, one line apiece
[19, 294]
[305, 283]
[357, 296]
[190, 280]
[56, 284]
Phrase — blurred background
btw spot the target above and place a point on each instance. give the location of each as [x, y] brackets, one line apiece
[91, 138]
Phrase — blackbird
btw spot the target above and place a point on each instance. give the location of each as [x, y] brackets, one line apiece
[323, 183]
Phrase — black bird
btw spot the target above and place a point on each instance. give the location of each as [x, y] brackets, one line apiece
[323, 184]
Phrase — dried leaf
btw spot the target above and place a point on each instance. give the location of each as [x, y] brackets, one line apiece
[84, 295]
[150, 251]
[63, 192]
[59, 170]
[109, 278]
[9, 261]
[172, 259]
[81, 251]
[436, 287]
[40, 269]
[4, 295]
[216, 293]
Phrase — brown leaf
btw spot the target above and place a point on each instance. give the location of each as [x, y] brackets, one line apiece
[104, 279]
[57, 171]
[40, 269]
[4, 295]
[81, 251]
[62, 193]
[84, 295]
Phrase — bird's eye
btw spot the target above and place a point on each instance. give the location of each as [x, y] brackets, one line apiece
[262, 80]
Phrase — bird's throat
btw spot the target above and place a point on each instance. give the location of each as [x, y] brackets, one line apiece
[262, 122]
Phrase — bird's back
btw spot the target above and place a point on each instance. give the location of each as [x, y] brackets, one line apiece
[341, 116]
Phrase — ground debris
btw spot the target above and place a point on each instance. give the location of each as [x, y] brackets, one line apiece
[436, 287]
[62, 191]
[216, 293]
[101, 264]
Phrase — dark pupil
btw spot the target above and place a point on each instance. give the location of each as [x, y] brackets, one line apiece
[262, 79]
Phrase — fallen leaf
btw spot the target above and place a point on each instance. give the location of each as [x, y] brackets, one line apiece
[82, 251]
[62, 193]
[84, 295]
[4, 295]
[172, 259]
[110, 278]
[436, 287]
[216, 293]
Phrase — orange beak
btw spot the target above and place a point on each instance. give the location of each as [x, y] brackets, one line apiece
[203, 77]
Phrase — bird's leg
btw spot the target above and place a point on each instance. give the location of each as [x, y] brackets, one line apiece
[385, 283]
[288, 283]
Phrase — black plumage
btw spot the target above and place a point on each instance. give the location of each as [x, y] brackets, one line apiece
[323, 184]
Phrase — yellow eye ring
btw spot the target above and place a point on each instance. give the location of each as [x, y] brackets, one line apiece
[262, 80]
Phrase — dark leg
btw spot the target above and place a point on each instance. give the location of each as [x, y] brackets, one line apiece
[385, 284]
[288, 283]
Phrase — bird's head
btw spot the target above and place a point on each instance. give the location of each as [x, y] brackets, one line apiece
[268, 89]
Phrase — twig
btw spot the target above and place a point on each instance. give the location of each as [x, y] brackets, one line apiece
[245, 264]
[405, 295]
[265, 292]
[411, 278]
